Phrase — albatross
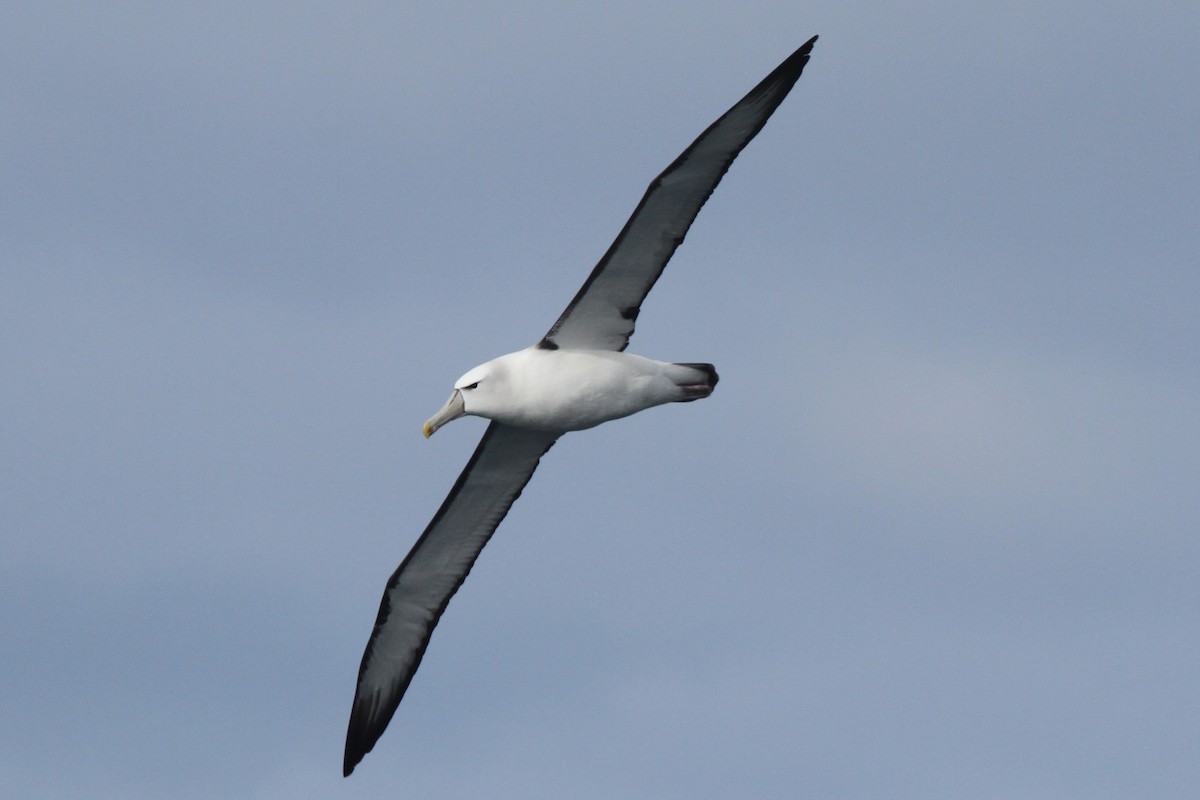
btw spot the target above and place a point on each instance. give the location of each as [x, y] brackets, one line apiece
[577, 376]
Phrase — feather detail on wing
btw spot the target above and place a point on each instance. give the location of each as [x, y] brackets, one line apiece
[602, 314]
[431, 573]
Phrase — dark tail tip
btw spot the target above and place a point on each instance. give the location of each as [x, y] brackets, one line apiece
[707, 369]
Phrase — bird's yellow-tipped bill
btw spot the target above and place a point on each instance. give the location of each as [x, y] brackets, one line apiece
[453, 409]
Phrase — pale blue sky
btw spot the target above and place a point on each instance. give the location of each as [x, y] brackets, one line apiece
[934, 536]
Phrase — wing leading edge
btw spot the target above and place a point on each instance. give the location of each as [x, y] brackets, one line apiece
[431, 573]
[603, 312]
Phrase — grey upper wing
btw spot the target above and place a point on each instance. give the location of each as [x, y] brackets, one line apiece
[602, 314]
[417, 593]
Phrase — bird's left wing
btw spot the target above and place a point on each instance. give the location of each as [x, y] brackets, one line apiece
[431, 573]
[602, 314]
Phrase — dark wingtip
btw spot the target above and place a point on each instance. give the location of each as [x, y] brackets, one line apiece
[795, 63]
[361, 735]
[802, 54]
[354, 749]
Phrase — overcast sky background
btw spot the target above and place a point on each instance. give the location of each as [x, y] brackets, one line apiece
[934, 536]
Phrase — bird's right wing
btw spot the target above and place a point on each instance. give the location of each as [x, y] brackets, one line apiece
[602, 314]
[431, 573]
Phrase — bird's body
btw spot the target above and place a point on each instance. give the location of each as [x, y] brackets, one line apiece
[564, 390]
[577, 376]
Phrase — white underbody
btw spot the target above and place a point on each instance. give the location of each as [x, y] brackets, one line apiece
[569, 390]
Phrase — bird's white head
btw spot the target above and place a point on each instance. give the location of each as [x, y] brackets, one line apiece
[475, 393]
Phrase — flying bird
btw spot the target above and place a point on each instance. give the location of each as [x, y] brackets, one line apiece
[577, 376]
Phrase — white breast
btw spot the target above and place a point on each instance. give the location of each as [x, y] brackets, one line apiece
[569, 390]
